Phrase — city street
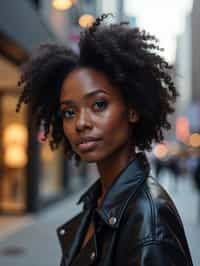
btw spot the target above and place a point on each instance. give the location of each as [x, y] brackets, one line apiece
[34, 242]
[98, 81]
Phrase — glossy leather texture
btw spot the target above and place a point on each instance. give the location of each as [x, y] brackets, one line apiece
[137, 224]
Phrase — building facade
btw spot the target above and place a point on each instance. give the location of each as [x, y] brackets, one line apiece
[196, 50]
[31, 175]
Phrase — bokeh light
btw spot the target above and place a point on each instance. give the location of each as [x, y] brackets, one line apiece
[160, 151]
[182, 129]
[62, 4]
[195, 140]
[86, 20]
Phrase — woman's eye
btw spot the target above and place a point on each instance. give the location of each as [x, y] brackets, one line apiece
[67, 113]
[100, 104]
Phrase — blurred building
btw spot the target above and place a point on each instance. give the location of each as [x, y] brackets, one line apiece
[183, 73]
[196, 50]
[31, 175]
[188, 68]
[188, 80]
[65, 23]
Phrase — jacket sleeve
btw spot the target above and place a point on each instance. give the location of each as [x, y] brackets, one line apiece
[156, 253]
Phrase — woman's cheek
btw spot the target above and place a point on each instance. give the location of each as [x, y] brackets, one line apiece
[67, 133]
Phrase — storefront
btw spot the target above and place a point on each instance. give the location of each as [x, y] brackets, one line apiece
[31, 175]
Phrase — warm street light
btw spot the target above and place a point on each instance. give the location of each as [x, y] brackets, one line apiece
[15, 137]
[86, 20]
[195, 140]
[160, 150]
[15, 157]
[15, 134]
[182, 129]
[62, 4]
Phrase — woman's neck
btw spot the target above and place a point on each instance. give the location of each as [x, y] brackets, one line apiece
[110, 168]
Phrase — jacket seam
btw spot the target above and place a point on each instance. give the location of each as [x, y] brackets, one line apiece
[145, 243]
[139, 186]
[153, 211]
[174, 208]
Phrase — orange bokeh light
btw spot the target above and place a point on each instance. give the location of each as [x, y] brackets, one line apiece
[62, 4]
[86, 20]
[195, 140]
[15, 157]
[182, 129]
[160, 151]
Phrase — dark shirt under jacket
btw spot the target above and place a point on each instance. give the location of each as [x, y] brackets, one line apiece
[137, 224]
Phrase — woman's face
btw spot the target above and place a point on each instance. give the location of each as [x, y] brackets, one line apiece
[95, 117]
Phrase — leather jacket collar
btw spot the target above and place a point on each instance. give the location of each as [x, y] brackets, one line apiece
[122, 189]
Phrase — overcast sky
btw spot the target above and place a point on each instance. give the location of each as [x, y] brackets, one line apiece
[164, 18]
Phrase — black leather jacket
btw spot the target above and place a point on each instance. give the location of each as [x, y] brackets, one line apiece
[136, 225]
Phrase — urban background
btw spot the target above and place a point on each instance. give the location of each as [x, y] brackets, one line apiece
[38, 187]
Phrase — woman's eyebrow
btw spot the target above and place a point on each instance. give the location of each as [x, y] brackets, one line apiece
[89, 95]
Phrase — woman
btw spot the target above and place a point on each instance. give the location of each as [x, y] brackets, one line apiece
[102, 105]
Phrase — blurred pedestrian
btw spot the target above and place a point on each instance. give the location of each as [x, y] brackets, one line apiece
[104, 104]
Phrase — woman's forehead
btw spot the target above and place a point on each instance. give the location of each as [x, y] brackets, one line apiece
[86, 74]
[86, 81]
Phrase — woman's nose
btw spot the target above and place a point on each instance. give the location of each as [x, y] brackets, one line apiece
[83, 121]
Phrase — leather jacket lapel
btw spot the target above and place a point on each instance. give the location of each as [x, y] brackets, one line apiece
[71, 235]
[124, 187]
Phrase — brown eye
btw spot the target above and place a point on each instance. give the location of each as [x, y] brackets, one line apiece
[100, 104]
[67, 113]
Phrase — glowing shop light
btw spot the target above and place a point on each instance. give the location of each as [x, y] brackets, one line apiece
[160, 151]
[15, 156]
[195, 140]
[86, 20]
[15, 133]
[182, 129]
[62, 4]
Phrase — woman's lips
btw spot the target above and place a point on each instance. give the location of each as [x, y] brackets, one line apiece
[89, 145]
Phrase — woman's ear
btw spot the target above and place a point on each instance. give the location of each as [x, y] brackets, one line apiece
[133, 116]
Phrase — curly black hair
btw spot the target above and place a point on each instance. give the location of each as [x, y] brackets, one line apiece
[131, 60]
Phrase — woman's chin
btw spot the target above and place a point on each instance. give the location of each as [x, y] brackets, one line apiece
[91, 158]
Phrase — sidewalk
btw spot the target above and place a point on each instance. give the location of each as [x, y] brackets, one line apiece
[186, 199]
[11, 224]
[36, 244]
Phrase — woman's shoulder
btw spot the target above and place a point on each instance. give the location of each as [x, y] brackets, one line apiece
[151, 220]
[153, 214]
[163, 208]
